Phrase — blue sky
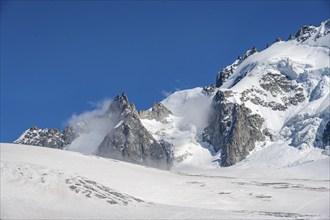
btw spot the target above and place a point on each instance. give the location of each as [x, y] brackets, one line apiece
[58, 57]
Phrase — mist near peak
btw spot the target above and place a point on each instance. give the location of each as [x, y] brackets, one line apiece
[192, 105]
[91, 127]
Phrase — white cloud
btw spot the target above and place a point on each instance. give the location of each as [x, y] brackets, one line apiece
[92, 127]
[166, 93]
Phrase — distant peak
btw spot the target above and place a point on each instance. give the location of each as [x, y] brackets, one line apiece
[278, 39]
[121, 98]
[312, 32]
[34, 127]
[305, 32]
[224, 74]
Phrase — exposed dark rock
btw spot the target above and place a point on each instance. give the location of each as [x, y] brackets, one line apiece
[298, 97]
[209, 90]
[278, 85]
[276, 106]
[305, 32]
[326, 135]
[158, 112]
[35, 136]
[169, 152]
[129, 140]
[268, 134]
[224, 74]
[291, 37]
[232, 130]
[119, 105]
[69, 134]
[277, 39]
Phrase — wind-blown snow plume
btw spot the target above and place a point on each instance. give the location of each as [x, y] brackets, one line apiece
[190, 104]
[91, 128]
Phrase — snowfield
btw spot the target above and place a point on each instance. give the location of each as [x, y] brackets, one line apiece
[285, 176]
[45, 183]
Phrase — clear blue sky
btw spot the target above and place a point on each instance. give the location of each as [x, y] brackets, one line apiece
[58, 56]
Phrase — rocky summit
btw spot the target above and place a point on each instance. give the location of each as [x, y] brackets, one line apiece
[47, 137]
[232, 129]
[273, 103]
[158, 112]
[129, 140]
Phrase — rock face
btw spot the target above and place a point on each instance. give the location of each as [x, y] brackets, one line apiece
[284, 90]
[129, 140]
[232, 129]
[305, 32]
[46, 137]
[69, 134]
[158, 112]
[277, 85]
[224, 74]
[326, 135]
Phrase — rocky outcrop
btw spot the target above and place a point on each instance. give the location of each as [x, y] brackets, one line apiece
[209, 90]
[232, 129]
[312, 32]
[277, 85]
[46, 137]
[280, 86]
[69, 135]
[158, 112]
[224, 74]
[326, 135]
[305, 32]
[129, 140]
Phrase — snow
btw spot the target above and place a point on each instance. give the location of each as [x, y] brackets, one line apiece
[279, 155]
[191, 104]
[285, 176]
[320, 38]
[300, 57]
[91, 128]
[185, 140]
[35, 184]
[183, 129]
[305, 64]
[119, 124]
[22, 137]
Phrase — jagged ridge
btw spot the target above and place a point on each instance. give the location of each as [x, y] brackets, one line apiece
[276, 83]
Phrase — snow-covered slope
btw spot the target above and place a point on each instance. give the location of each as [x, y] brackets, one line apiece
[45, 183]
[183, 129]
[269, 108]
[287, 85]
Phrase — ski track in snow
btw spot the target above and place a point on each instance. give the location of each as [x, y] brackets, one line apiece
[284, 177]
[44, 183]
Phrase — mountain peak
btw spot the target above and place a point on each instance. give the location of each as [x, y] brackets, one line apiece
[314, 35]
[119, 105]
[274, 98]
[224, 74]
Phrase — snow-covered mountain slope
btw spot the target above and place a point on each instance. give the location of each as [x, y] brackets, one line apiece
[271, 106]
[282, 92]
[273, 100]
[288, 85]
[42, 137]
[184, 127]
[288, 82]
[45, 183]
